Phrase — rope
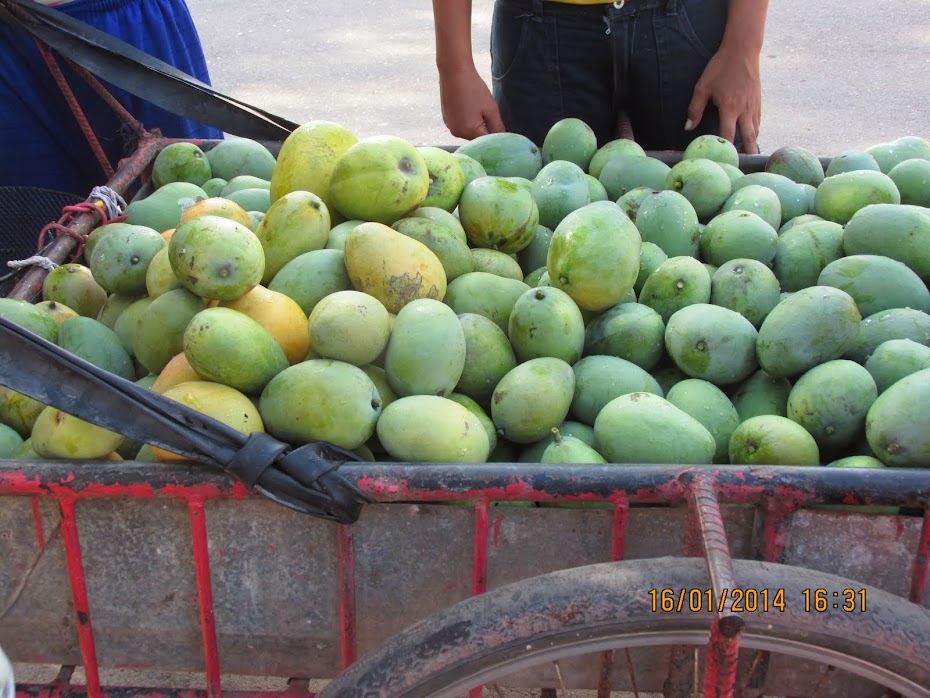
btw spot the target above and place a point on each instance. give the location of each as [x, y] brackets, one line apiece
[35, 260]
[107, 203]
[76, 109]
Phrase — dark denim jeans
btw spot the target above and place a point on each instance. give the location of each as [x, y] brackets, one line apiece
[551, 61]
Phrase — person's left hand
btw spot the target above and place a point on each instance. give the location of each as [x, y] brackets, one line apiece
[731, 81]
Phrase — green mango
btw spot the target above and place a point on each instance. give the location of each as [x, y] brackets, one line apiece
[516, 408]
[831, 401]
[426, 351]
[635, 428]
[321, 400]
[432, 429]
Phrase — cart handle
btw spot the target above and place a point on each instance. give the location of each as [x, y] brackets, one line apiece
[305, 478]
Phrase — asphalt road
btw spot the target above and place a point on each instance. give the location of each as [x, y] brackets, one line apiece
[837, 74]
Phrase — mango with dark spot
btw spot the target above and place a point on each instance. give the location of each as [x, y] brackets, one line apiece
[498, 214]
[392, 267]
[381, 178]
[216, 258]
[295, 224]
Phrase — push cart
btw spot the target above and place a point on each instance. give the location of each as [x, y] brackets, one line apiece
[497, 579]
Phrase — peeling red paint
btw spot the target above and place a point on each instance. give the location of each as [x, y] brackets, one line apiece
[498, 522]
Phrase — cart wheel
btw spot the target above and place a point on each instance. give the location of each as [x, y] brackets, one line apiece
[608, 606]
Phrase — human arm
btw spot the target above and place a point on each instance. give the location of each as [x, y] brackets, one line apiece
[468, 108]
[731, 79]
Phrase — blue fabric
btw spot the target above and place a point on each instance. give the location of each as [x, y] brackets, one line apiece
[550, 61]
[40, 142]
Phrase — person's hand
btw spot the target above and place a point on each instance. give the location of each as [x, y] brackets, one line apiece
[731, 81]
[468, 108]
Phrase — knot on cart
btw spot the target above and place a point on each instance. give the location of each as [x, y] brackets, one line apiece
[305, 478]
[103, 201]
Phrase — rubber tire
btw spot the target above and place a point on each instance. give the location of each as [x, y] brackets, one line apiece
[553, 615]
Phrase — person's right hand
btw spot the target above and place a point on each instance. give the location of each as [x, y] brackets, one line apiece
[468, 108]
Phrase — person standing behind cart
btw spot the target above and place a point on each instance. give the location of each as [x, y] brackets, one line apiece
[41, 144]
[678, 68]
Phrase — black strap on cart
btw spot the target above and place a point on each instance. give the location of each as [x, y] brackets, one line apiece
[141, 74]
[305, 478]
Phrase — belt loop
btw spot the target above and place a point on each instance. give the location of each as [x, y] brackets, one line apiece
[671, 7]
[537, 9]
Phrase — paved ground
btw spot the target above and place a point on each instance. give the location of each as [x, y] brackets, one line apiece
[837, 74]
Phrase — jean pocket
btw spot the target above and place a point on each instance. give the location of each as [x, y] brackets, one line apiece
[705, 33]
[510, 27]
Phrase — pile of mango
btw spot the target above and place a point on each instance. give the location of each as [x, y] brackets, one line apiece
[499, 301]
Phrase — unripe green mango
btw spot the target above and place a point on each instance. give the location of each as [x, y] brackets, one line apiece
[156, 327]
[426, 351]
[650, 257]
[29, 317]
[495, 262]
[568, 449]
[831, 401]
[840, 196]
[709, 405]
[121, 259]
[228, 347]
[488, 357]
[486, 294]
[559, 188]
[901, 232]
[310, 277]
[676, 283]
[95, 342]
[897, 323]
[161, 210]
[546, 322]
[532, 398]
[712, 343]
[504, 154]
[811, 326]
[321, 400]
[631, 331]
[791, 195]
[667, 219]
[432, 429]
[898, 423]
[636, 428]
[738, 235]
[893, 360]
[772, 440]
[803, 251]
[295, 224]
[532, 453]
[600, 379]
[746, 286]
[876, 283]
[761, 394]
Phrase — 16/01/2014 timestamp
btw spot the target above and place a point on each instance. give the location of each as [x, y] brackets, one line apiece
[696, 600]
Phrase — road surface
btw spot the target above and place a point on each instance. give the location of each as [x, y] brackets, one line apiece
[837, 74]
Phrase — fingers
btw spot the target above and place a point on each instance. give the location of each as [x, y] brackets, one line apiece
[749, 134]
[699, 100]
